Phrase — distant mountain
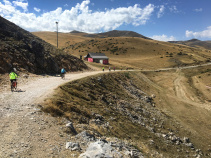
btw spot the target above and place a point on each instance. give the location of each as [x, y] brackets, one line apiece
[195, 43]
[74, 31]
[77, 32]
[26, 52]
[116, 33]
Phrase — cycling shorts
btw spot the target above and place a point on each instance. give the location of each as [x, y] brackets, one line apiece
[12, 80]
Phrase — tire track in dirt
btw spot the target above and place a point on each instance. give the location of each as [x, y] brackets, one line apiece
[147, 80]
[182, 93]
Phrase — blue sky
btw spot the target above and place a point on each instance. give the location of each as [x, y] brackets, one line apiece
[163, 20]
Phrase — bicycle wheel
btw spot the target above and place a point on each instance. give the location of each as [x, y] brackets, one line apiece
[15, 85]
[62, 75]
[12, 88]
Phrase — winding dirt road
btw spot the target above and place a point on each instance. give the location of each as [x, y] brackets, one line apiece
[185, 95]
[24, 130]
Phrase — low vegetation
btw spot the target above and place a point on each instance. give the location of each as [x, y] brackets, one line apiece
[146, 109]
[120, 105]
[135, 52]
[187, 101]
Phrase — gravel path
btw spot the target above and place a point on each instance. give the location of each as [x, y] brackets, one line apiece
[25, 131]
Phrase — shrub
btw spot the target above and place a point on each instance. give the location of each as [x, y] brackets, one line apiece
[127, 75]
[180, 53]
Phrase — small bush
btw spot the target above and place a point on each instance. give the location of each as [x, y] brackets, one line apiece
[180, 53]
[53, 110]
[127, 75]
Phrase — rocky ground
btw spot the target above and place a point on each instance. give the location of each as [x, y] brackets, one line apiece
[121, 112]
[26, 131]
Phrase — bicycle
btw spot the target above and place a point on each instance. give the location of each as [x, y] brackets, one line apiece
[63, 75]
[13, 86]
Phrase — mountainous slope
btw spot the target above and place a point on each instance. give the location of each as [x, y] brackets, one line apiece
[195, 43]
[26, 52]
[129, 52]
[142, 53]
[117, 33]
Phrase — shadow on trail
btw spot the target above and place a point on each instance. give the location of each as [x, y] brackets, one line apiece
[19, 90]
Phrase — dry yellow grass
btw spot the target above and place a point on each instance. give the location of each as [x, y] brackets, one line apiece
[191, 105]
[63, 38]
[129, 52]
[188, 105]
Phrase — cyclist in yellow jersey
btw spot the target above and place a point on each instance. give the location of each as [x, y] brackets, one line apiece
[13, 76]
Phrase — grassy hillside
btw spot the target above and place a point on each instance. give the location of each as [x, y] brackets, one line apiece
[195, 43]
[187, 100]
[132, 52]
[64, 38]
[124, 108]
[116, 33]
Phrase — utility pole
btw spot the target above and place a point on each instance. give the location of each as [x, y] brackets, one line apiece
[57, 32]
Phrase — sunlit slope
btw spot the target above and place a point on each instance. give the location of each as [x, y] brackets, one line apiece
[132, 52]
[64, 39]
[195, 43]
[119, 99]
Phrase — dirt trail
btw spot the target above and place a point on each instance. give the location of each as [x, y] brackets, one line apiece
[27, 132]
[24, 130]
[185, 95]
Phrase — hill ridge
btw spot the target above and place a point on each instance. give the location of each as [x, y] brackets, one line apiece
[117, 33]
[194, 43]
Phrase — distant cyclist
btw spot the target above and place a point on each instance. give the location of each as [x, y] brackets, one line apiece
[63, 71]
[13, 76]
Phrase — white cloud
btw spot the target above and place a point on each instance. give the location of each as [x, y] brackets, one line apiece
[161, 11]
[79, 17]
[7, 2]
[198, 10]
[203, 34]
[174, 9]
[37, 9]
[163, 38]
[22, 4]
